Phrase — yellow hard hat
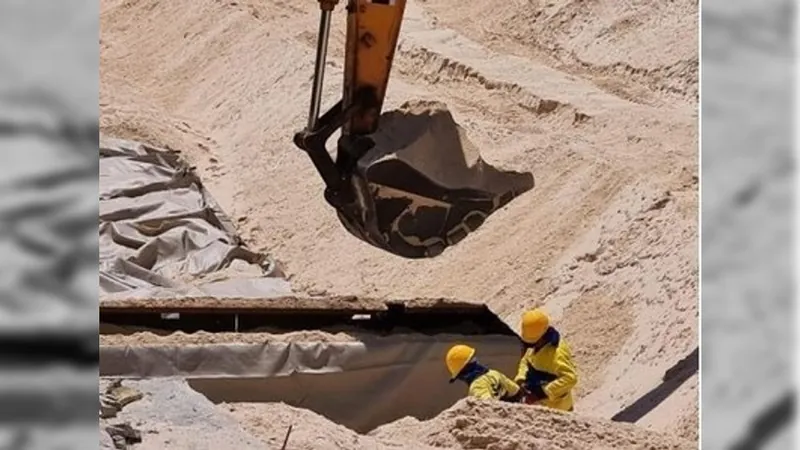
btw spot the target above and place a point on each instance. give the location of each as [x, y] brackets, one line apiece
[534, 324]
[457, 358]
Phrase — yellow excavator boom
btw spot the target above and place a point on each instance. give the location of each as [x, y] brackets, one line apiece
[372, 34]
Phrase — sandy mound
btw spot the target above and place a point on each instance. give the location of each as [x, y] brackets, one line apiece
[607, 239]
[271, 421]
[472, 424]
[169, 414]
[468, 424]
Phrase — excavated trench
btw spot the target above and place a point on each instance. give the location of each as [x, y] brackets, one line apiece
[243, 336]
[360, 367]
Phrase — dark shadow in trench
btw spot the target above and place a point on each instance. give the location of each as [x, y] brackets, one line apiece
[674, 377]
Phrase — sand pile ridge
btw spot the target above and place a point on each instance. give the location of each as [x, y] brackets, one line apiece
[469, 424]
[476, 424]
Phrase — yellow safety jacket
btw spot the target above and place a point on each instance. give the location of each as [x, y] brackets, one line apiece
[549, 369]
[494, 385]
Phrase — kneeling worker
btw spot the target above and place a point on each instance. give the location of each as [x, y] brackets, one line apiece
[546, 371]
[484, 383]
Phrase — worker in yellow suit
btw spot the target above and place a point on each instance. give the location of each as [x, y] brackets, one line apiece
[484, 383]
[546, 371]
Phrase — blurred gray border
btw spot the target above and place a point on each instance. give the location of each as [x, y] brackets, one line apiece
[747, 181]
[49, 113]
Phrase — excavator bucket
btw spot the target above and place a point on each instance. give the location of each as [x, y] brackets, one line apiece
[408, 181]
[423, 186]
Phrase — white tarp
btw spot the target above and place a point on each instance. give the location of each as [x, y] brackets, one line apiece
[160, 228]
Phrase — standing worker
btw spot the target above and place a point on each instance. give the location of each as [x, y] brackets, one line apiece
[546, 371]
[484, 383]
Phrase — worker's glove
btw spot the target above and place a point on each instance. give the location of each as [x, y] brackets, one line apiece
[526, 395]
[534, 394]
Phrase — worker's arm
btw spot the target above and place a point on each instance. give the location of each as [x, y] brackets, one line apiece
[522, 370]
[481, 388]
[565, 371]
[510, 386]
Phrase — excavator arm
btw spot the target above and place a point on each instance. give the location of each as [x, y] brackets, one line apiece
[390, 204]
[373, 27]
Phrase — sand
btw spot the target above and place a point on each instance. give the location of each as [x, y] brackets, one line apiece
[140, 338]
[469, 424]
[271, 421]
[169, 413]
[424, 135]
[134, 337]
[597, 99]
[472, 424]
